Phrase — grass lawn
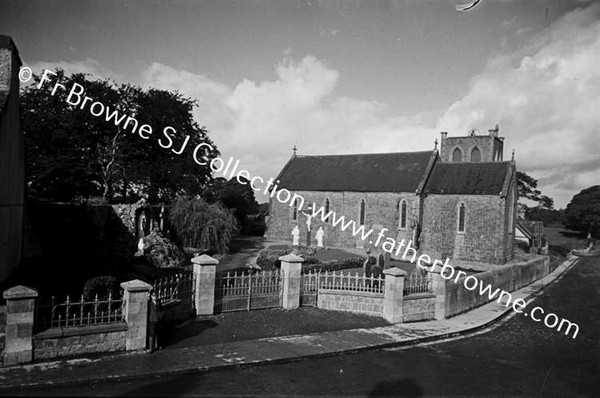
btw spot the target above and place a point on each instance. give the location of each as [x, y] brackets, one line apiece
[559, 236]
[250, 325]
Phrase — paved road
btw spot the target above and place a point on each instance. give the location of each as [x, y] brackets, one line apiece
[519, 357]
[243, 249]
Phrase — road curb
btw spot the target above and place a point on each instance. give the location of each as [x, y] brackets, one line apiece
[497, 321]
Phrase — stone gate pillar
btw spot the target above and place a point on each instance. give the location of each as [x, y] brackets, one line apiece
[393, 295]
[291, 269]
[205, 269]
[438, 285]
[135, 295]
[20, 307]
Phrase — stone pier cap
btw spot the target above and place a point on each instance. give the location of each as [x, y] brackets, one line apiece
[19, 292]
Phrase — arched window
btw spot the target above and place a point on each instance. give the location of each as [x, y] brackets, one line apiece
[362, 211]
[461, 217]
[457, 155]
[327, 206]
[476, 155]
[295, 211]
[403, 213]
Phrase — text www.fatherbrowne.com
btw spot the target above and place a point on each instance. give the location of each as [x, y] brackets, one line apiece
[446, 271]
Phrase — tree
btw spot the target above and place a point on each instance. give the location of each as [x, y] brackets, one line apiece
[236, 196]
[65, 147]
[195, 223]
[74, 154]
[527, 189]
[171, 172]
[583, 212]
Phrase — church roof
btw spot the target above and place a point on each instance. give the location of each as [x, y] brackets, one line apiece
[376, 172]
[469, 178]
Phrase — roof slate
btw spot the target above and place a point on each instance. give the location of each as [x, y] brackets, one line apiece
[377, 172]
[468, 178]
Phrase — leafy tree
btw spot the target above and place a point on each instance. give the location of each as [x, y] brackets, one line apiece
[72, 153]
[546, 202]
[527, 189]
[583, 212]
[547, 216]
[234, 195]
[64, 146]
[195, 223]
[173, 171]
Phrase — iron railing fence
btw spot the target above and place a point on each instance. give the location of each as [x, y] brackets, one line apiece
[339, 280]
[244, 291]
[309, 288]
[56, 314]
[313, 281]
[176, 288]
[416, 282]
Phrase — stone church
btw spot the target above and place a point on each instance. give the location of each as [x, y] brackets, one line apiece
[458, 201]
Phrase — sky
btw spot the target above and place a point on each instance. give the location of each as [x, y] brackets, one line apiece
[335, 77]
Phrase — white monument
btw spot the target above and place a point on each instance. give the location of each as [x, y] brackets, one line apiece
[319, 236]
[308, 221]
[296, 236]
[140, 247]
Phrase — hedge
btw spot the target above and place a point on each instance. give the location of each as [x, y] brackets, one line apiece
[337, 265]
[269, 259]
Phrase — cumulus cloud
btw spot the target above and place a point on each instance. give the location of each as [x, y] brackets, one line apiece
[546, 98]
[259, 122]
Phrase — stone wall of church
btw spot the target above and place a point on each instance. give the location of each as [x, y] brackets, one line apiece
[485, 236]
[511, 218]
[382, 211]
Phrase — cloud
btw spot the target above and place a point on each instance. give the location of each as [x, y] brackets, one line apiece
[546, 98]
[259, 122]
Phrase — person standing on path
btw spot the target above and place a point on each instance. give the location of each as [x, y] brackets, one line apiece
[153, 323]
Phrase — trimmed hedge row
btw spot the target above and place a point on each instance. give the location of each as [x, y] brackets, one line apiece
[269, 259]
[336, 265]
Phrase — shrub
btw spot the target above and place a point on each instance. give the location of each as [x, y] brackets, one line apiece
[161, 252]
[101, 286]
[524, 246]
[196, 223]
[337, 265]
[268, 259]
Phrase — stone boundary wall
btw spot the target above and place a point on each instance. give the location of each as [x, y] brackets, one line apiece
[77, 340]
[361, 302]
[415, 307]
[418, 307]
[508, 278]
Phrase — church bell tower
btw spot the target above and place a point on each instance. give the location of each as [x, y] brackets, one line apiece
[474, 147]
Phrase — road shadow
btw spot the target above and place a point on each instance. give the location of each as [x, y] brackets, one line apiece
[571, 234]
[403, 387]
[169, 386]
[173, 334]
